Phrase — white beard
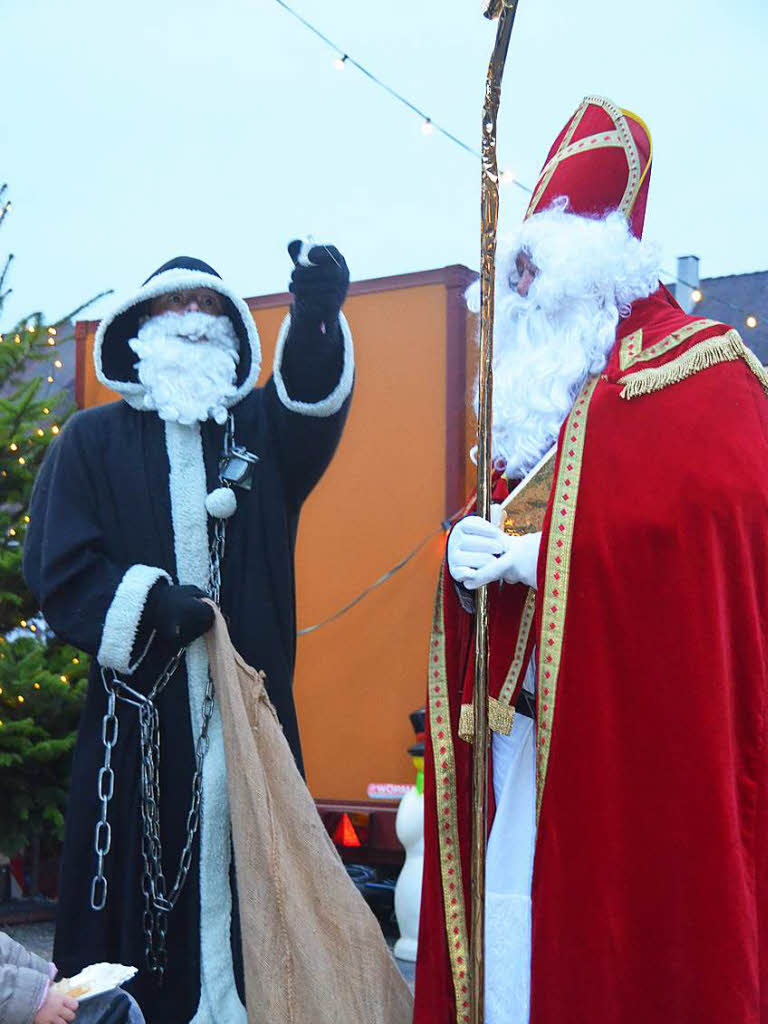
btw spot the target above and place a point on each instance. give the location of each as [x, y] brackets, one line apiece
[548, 343]
[188, 365]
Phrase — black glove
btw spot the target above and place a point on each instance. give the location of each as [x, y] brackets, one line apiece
[178, 613]
[319, 290]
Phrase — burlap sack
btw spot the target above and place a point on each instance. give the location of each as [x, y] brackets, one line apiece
[312, 949]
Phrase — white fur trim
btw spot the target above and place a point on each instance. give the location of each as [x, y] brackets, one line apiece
[171, 281]
[219, 1000]
[331, 403]
[121, 623]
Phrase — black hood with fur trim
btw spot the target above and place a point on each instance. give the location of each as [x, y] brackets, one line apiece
[113, 357]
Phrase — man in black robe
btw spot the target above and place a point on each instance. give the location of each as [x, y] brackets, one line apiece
[129, 506]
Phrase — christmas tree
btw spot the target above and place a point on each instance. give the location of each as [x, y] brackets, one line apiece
[42, 681]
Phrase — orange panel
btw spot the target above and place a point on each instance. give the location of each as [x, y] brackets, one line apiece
[399, 470]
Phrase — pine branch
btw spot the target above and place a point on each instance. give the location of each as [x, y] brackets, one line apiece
[85, 305]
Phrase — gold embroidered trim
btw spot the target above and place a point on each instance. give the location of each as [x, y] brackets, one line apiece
[631, 350]
[621, 138]
[549, 170]
[554, 594]
[526, 622]
[638, 120]
[500, 719]
[447, 818]
[723, 348]
[630, 151]
[605, 140]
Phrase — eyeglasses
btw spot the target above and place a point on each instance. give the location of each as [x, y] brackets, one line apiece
[206, 300]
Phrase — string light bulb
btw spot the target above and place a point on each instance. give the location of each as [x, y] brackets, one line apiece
[64, 679]
[58, 364]
[46, 412]
[427, 127]
[340, 61]
[751, 321]
[507, 177]
[20, 699]
[54, 429]
[14, 447]
[697, 295]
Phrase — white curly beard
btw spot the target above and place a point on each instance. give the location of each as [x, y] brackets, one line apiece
[188, 365]
[548, 343]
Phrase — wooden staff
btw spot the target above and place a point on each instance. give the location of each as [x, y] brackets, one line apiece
[505, 11]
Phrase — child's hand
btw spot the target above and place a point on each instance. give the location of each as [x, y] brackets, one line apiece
[56, 1009]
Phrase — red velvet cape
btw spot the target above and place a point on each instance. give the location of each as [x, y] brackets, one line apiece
[650, 891]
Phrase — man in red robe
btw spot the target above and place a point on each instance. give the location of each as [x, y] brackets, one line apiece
[627, 867]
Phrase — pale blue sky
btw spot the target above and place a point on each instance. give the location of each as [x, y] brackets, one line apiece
[131, 133]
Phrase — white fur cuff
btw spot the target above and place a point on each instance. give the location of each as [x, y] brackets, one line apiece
[331, 403]
[123, 616]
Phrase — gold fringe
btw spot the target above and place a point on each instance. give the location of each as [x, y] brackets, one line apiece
[500, 719]
[723, 348]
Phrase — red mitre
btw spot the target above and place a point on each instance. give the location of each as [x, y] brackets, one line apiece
[601, 161]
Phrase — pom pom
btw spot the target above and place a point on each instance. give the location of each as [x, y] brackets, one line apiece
[221, 503]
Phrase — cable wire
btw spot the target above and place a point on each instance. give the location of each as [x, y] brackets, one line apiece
[374, 586]
[347, 59]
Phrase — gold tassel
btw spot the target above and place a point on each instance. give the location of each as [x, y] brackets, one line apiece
[500, 719]
[723, 348]
[467, 722]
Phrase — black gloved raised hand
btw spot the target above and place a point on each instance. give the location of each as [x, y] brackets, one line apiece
[178, 613]
[319, 290]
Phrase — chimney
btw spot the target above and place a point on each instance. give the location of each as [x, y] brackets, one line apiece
[687, 281]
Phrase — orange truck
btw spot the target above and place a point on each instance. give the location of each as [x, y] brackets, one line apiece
[400, 473]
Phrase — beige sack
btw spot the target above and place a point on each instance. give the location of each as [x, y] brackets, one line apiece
[313, 951]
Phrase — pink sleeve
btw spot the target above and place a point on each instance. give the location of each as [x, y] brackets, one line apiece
[44, 996]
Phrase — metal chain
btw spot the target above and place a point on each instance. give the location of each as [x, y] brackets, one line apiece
[218, 545]
[158, 903]
[103, 838]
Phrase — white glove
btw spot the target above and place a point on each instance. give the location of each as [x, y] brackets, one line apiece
[479, 553]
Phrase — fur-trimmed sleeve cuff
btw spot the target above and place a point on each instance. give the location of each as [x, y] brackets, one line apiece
[332, 402]
[121, 625]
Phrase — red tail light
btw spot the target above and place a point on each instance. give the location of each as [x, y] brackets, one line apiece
[344, 834]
